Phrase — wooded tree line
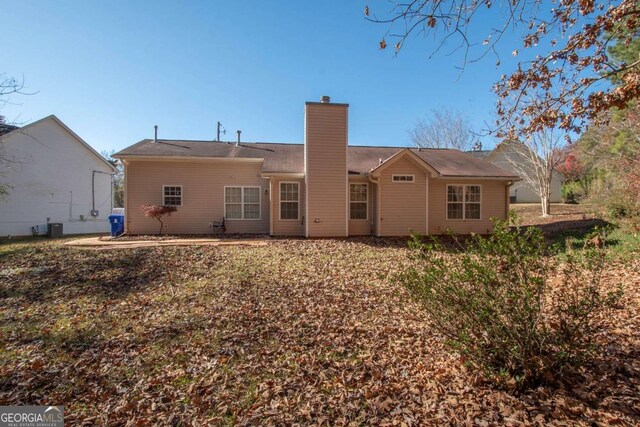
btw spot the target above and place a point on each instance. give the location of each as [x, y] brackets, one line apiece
[603, 165]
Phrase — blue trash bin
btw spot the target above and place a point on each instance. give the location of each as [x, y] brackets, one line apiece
[117, 224]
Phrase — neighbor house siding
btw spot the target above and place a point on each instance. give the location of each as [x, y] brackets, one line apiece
[403, 205]
[287, 227]
[326, 169]
[508, 154]
[202, 184]
[53, 177]
[493, 205]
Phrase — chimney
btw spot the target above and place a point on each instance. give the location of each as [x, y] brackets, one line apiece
[239, 132]
[325, 166]
[155, 133]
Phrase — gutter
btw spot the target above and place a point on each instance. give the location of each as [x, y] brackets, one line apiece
[170, 158]
[499, 178]
[268, 175]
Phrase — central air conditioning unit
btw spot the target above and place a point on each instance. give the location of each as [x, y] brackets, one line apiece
[40, 230]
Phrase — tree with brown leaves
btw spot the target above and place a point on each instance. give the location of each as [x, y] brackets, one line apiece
[158, 212]
[566, 84]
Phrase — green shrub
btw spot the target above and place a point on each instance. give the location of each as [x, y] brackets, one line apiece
[493, 302]
[571, 192]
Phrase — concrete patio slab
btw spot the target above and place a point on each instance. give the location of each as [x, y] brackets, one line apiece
[100, 243]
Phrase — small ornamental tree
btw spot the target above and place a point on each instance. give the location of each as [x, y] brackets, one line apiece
[158, 212]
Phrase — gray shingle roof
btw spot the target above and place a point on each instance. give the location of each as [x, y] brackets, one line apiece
[289, 158]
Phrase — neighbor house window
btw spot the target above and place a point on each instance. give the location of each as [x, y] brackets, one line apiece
[289, 200]
[358, 201]
[463, 202]
[242, 202]
[172, 195]
[403, 178]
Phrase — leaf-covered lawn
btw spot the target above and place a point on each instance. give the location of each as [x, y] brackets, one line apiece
[296, 332]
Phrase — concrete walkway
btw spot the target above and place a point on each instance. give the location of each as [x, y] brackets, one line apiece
[99, 243]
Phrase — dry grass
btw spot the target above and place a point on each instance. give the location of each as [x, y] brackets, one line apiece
[530, 213]
[297, 332]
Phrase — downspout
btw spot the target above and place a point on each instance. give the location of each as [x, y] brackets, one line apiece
[93, 188]
[507, 202]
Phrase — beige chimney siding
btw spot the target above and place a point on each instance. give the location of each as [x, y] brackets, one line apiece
[202, 184]
[325, 157]
[492, 205]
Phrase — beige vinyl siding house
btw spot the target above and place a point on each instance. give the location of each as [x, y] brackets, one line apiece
[203, 185]
[361, 221]
[493, 204]
[322, 188]
[403, 203]
[283, 224]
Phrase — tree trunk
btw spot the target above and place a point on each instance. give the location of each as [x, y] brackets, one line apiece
[161, 226]
[544, 204]
[549, 205]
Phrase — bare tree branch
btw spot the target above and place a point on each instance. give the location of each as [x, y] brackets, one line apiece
[571, 75]
[443, 128]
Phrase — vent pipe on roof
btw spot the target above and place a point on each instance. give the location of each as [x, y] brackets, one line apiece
[325, 99]
[155, 133]
[238, 143]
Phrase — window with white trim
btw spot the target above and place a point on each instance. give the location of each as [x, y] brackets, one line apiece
[403, 178]
[358, 201]
[242, 202]
[463, 201]
[289, 200]
[172, 195]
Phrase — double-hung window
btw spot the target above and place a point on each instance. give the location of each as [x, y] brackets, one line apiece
[172, 195]
[242, 202]
[358, 201]
[463, 201]
[289, 201]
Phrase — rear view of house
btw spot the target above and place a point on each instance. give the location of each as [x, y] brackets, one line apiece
[322, 188]
[53, 176]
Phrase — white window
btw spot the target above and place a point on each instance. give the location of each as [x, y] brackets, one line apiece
[172, 195]
[403, 178]
[289, 200]
[358, 201]
[463, 202]
[242, 202]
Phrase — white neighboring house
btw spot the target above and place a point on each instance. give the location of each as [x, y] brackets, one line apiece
[504, 156]
[54, 177]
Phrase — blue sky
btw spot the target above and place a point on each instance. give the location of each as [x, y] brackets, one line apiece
[113, 69]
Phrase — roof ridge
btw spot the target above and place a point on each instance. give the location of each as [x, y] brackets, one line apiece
[203, 141]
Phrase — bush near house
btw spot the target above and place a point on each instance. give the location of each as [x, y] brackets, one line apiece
[494, 303]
